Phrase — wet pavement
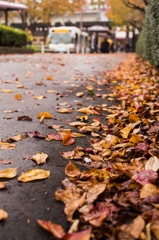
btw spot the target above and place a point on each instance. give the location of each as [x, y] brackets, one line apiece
[27, 202]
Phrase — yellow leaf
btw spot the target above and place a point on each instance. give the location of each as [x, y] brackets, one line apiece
[38, 97]
[76, 124]
[134, 118]
[40, 158]
[136, 139]
[20, 86]
[16, 138]
[18, 96]
[6, 90]
[85, 110]
[64, 110]
[50, 91]
[3, 214]
[5, 145]
[149, 190]
[136, 87]
[83, 118]
[66, 82]
[79, 94]
[8, 173]
[45, 114]
[125, 131]
[34, 174]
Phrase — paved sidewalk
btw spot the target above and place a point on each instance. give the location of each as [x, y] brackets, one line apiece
[27, 202]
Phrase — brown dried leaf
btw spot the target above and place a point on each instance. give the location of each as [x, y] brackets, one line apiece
[40, 158]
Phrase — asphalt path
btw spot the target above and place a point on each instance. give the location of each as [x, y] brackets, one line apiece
[27, 202]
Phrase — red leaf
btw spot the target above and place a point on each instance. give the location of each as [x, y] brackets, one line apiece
[54, 136]
[147, 176]
[142, 146]
[35, 134]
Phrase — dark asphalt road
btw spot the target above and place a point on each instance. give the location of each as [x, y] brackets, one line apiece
[35, 200]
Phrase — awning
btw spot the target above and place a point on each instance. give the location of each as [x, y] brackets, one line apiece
[12, 6]
[98, 28]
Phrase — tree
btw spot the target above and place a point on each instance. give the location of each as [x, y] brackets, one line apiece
[137, 5]
[45, 10]
[122, 15]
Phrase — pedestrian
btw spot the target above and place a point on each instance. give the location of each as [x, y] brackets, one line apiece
[127, 46]
[105, 46]
[92, 43]
[30, 38]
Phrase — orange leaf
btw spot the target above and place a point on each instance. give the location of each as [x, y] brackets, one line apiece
[72, 171]
[55, 229]
[134, 118]
[49, 78]
[64, 110]
[68, 140]
[45, 114]
[18, 96]
[136, 138]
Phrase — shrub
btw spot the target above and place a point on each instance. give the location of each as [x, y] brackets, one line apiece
[12, 38]
[148, 42]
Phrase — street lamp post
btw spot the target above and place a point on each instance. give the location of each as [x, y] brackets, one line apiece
[81, 26]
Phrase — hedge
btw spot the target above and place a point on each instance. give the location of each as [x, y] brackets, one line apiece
[148, 42]
[10, 37]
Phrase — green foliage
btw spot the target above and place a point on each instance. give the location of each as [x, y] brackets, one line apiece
[12, 38]
[148, 43]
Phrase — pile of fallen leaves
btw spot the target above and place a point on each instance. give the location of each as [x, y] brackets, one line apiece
[118, 196]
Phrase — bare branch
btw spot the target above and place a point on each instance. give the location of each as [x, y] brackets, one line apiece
[134, 6]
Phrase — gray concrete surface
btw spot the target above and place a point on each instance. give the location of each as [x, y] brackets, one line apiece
[35, 200]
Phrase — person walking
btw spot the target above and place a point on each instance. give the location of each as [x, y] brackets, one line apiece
[105, 46]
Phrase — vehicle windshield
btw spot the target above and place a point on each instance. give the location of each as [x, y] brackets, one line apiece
[61, 38]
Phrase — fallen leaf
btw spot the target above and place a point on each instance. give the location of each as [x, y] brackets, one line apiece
[64, 110]
[3, 214]
[46, 114]
[134, 118]
[55, 229]
[68, 140]
[8, 173]
[15, 138]
[5, 145]
[79, 94]
[152, 164]
[72, 171]
[54, 136]
[25, 118]
[50, 91]
[49, 78]
[35, 134]
[146, 176]
[40, 158]
[135, 139]
[149, 190]
[10, 111]
[6, 90]
[83, 118]
[20, 86]
[4, 161]
[34, 174]
[125, 131]
[85, 110]
[39, 97]
[18, 97]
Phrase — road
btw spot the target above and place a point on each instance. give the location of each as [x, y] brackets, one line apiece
[27, 202]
